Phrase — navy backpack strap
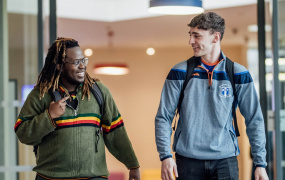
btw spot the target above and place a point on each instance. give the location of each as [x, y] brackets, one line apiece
[95, 90]
[55, 97]
[230, 73]
[192, 63]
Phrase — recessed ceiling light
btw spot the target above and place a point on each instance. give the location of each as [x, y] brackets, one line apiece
[269, 76]
[254, 28]
[150, 51]
[269, 62]
[88, 52]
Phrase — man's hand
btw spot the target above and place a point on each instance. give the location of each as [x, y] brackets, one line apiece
[168, 166]
[56, 109]
[134, 174]
[260, 174]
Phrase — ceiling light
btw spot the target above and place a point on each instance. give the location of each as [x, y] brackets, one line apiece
[111, 69]
[176, 7]
[254, 28]
[88, 52]
[150, 51]
[269, 62]
[269, 76]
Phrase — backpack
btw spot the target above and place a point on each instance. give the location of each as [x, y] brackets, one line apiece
[95, 91]
[192, 63]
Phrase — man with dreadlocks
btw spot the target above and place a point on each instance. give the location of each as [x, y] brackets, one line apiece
[71, 133]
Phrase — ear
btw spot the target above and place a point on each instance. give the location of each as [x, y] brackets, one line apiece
[217, 37]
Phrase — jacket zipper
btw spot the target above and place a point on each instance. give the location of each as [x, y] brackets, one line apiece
[75, 110]
[97, 136]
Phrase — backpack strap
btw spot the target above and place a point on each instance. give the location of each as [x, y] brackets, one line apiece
[192, 63]
[99, 96]
[230, 73]
[95, 91]
[56, 96]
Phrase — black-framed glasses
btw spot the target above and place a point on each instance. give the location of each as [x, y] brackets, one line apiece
[84, 61]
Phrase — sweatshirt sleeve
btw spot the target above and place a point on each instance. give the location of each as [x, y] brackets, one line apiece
[34, 121]
[249, 106]
[114, 132]
[166, 111]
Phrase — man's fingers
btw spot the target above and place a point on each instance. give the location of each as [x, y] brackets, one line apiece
[170, 174]
[175, 171]
[63, 99]
[164, 176]
[52, 102]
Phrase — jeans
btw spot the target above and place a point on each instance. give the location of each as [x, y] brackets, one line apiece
[194, 169]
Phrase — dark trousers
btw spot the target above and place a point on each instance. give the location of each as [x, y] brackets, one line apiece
[41, 178]
[194, 169]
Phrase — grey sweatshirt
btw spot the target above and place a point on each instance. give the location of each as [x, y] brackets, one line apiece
[205, 130]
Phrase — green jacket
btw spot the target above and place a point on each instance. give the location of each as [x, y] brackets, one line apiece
[73, 145]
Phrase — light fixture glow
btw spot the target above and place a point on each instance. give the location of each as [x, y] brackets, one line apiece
[269, 76]
[88, 52]
[176, 7]
[150, 51]
[269, 62]
[111, 69]
[254, 28]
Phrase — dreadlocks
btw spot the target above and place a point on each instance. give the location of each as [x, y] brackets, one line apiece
[49, 76]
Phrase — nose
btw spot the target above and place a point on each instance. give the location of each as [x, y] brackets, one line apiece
[191, 40]
[81, 65]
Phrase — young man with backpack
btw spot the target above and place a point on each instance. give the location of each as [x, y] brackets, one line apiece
[70, 117]
[205, 141]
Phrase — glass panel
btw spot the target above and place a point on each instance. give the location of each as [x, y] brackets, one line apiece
[272, 132]
[23, 70]
[281, 34]
[269, 90]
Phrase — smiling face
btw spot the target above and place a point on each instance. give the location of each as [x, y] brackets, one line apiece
[203, 41]
[72, 75]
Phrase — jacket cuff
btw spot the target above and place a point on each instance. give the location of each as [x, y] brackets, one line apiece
[51, 120]
[169, 156]
[131, 168]
[259, 165]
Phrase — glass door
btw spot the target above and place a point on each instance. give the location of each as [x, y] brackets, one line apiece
[281, 57]
[25, 28]
[275, 87]
[23, 62]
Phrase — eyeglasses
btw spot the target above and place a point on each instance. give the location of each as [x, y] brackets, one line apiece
[84, 61]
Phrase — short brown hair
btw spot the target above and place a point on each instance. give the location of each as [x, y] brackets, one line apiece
[209, 21]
